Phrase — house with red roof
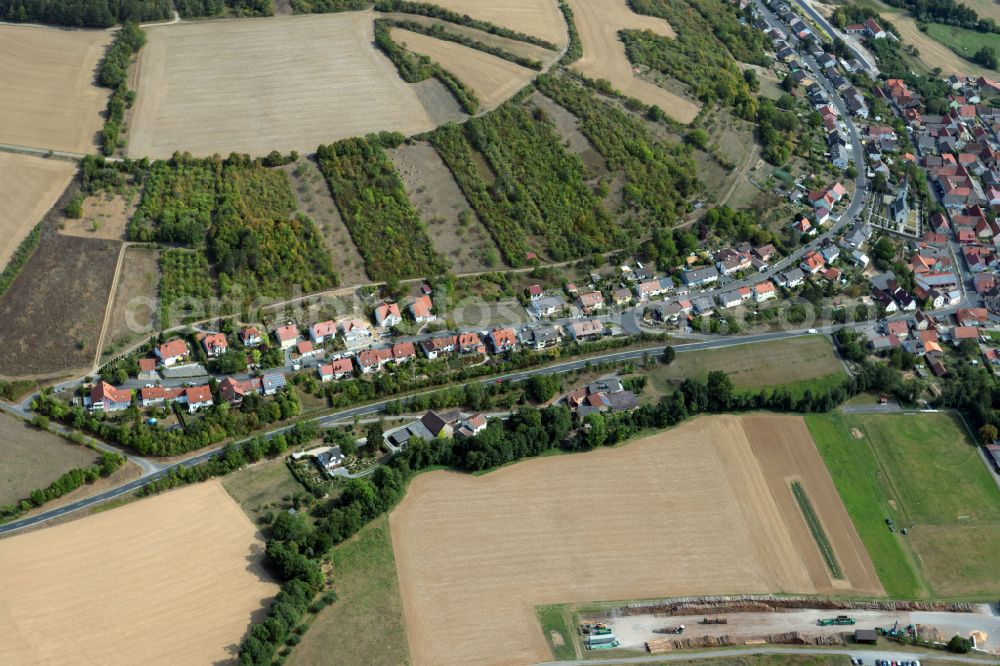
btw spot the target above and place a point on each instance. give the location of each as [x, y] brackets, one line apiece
[370, 360]
[812, 262]
[234, 390]
[321, 332]
[106, 398]
[198, 397]
[337, 369]
[171, 351]
[387, 315]
[403, 352]
[470, 343]
[422, 310]
[251, 337]
[590, 301]
[214, 344]
[444, 344]
[287, 335]
[503, 339]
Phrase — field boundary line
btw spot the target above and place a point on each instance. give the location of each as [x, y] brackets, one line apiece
[818, 533]
[108, 306]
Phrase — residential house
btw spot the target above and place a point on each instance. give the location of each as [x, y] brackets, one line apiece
[503, 339]
[700, 276]
[272, 382]
[471, 426]
[422, 310]
[764, 291]
[587, 328]
[251, 337]
[470, 343]
[541, 338]
[434, 347]
[151, 396]
[234, 390]
[647, 290]
[336, 369]
[355, 332]
[590, 302]
[198, 397]
[387, 315]
[370, 360]
[812, 262]
[320, 332]
[548, 306]
[288, 335]
[622, 296]
[214, 344]
[972, 317]
[403, 352]
[106, 398]
[171, 352]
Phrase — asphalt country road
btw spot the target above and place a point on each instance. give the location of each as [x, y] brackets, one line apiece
[326, 421]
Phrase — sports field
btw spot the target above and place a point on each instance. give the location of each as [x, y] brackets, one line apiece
[598, 22]
[29, 186]
[173, 579]
[250, 85]
[922, 471]
[699, 509]
[49, 98]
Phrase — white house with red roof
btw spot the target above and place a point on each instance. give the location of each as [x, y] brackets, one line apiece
[387, 315]
[106, 398]
[337, 369]
[422, 309]
[234, 390]
[403, 352]
[171, 351]
[251, 337]
[198, 397]
[503, 339]
[214, 344]
[286, 335]
[764, 291]
[322, 331]
[371, 360]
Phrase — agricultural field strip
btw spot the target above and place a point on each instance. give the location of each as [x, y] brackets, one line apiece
[50, 100]
[704, 508]
[538, 18]
[29, 186]
[193, 95]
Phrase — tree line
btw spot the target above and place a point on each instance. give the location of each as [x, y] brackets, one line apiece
[84, 13]
[440, 31]
[113, 73]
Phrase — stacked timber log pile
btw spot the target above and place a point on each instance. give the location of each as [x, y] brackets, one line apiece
[767, 603]
[661, 645]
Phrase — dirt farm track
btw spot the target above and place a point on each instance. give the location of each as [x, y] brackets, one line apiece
[171, 580]
[700, 509]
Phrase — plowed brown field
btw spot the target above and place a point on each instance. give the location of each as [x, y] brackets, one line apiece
[48, 97]
[250, 85]
[493, 79]
[169, 580]
[28, 188]
[598, 22]
[686, 511]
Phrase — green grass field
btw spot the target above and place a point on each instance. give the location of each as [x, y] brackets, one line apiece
[963, 42]
[796, 364]
[262, 487]
[923, 471]
[557, 631]
[365, 625]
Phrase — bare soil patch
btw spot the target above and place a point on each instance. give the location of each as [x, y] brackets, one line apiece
[49, 96]
[455, 230]
[686, 511]
[493, 79]
[538, 18]
[297, 81]
[598, 22]
[31, 458]
[787, 453]
[313, 197]
[51, 316]
[29, 186]
[104, 216]
[135, 303]
[173, 579]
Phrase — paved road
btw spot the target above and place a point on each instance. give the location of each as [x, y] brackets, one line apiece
[833, 32]
[869, 656]
[152, 471]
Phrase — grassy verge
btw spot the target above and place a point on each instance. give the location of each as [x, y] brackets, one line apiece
[365, 625]
[963, 42]
[817, 530]
[557, 630]
[856, 476]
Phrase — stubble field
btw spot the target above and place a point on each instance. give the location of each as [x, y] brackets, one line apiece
[598, 22]
[28, 188]
[173, 579]
[493, 79]
[538, 18]
[686, 511]
[49, 97]
[285, 83]
[135, 303]
[31, 458]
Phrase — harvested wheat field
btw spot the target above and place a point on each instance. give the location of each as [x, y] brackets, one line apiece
[169, 580]
[29, 186]
[686, 511]
[598, 22]
[49, 97]
[537, 18]
[493, 79]
[248, 85]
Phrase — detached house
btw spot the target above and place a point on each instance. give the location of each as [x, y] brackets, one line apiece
[371, 360]
[591, 301]
[421, 310]
[287, 336]
[171, 351]
[214, 344]
[470, 343]
[387, 315]
[436, 346]
[198, 397]
[338, 369]
[503, 339]
[251, 337]
[106, 398]
[234, 390]
[321, 332]
[355, 332]
[403, 352]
